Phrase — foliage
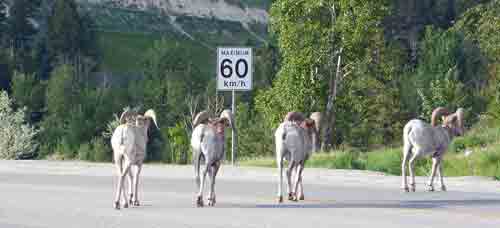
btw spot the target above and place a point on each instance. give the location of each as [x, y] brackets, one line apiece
[485, 162]
[3, 22]
[5, 69]
[449, 63]
[76, 113]
[21, 33]
[369, 111]
[387, 161]
[96, 150]
[18, 138]
[479, 25]
[69, 33]
[338, 160]
[254, 139]
[311, 35]
[28, 92]
[178, 140]
[170, 76]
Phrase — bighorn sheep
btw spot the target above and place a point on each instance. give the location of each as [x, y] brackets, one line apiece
[207, 142]
[129, 150]
[422, 139]
[296, 138]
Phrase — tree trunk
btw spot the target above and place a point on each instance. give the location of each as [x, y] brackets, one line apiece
[330, 107]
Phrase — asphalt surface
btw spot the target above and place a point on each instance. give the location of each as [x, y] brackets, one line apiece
[72, 194]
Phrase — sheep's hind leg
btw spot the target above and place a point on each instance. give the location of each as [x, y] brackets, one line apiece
[130, 187]
[430, 184]
[439, 172]
[280, 179]
[412, 171]
[289, 171]
[199, 198]
[406, 154]
[137, 172]
[299, 182]
[120, 184]
[213, 173]
[298, 173]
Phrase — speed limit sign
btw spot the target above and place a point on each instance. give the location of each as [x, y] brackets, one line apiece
[234, 68]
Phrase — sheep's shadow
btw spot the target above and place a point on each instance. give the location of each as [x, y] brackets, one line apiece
[389, 204]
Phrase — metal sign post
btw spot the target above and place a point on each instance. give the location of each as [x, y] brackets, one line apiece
[233, 134]
[234, 73]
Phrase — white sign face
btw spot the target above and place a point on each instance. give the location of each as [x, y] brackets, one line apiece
[234, 68]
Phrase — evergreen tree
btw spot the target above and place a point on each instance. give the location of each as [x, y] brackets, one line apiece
[64, 31]
[70, 38]
[3, 22]
[21, 31]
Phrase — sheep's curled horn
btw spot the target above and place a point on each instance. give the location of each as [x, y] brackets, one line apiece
[201, 118]
[438, 112]
[126, 116]
[294, 117]
[151, 114]
[228, 116]
[316, 116]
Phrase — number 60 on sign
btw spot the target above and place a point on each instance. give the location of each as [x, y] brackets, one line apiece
[234, 68]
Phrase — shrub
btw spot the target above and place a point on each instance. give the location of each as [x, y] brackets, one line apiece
[17, 137]
[179, 144]
[462, 143]
[337, 160]
[85, 152]
[64, 151]
[102, 152]
[388, 161]
[487, 163]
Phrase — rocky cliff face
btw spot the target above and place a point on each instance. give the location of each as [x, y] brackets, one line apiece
[226, 10]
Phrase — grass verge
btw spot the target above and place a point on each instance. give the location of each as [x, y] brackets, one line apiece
[482, 159]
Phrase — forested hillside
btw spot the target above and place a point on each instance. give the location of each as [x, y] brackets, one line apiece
[368, 66]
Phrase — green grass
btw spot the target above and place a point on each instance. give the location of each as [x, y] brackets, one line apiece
[484, 141]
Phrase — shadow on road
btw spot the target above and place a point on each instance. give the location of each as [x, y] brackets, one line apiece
[413, 204]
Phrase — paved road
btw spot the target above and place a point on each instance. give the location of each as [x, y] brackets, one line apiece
[70, 194]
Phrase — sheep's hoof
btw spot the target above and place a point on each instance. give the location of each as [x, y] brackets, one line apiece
[199, 201]
[211, 202]
[125, 205]
[430, 188]
[280, 199]
[117, 205]
[406, 189]
[301, 197]
[443, 188]
[413, 188]
[130, 199]
[136, 203]
[292, 197]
